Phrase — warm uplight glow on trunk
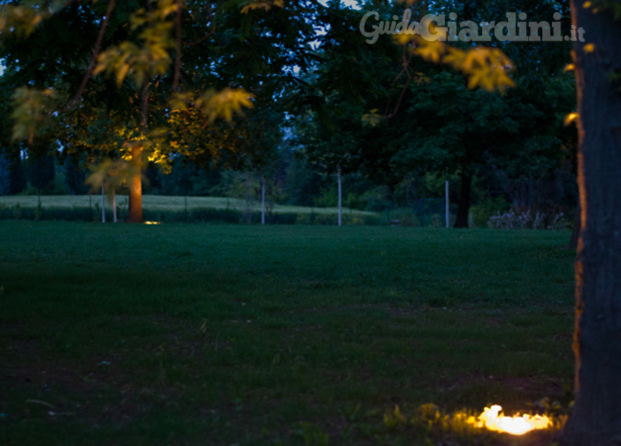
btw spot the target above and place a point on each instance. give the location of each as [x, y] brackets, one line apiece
[492, 419]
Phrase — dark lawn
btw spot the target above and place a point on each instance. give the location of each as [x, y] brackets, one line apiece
[223, 335]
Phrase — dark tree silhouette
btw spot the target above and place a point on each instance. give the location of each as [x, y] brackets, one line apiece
[596, 416]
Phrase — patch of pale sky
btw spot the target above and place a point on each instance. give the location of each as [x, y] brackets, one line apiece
[355, 4]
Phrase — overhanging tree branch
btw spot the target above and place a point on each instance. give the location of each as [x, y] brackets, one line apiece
[96, 50]
[211, 32]
[177, 75]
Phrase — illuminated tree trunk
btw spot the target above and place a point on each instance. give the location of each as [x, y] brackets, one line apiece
[464, 200]
[596, 417]
[134, 213]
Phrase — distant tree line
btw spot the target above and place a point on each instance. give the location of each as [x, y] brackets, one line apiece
[295, 181]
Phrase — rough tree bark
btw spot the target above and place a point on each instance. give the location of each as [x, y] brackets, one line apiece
[596, 417]
[464, 200]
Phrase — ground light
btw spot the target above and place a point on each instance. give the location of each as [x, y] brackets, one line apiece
[151, 222]
[467, 425]
[493, 419]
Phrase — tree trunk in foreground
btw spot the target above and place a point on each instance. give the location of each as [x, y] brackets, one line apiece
[596, 417]
[134, 213]
[464, 201]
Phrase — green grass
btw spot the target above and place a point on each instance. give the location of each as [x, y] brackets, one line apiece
[160, 203]
[278, 335]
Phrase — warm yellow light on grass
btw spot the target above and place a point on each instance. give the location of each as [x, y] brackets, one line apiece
[493, 419]
[151, 222]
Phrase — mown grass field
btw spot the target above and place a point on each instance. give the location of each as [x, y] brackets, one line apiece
[159, 203]
[278, 335]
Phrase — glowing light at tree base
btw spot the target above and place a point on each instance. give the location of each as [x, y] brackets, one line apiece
[492, 418]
